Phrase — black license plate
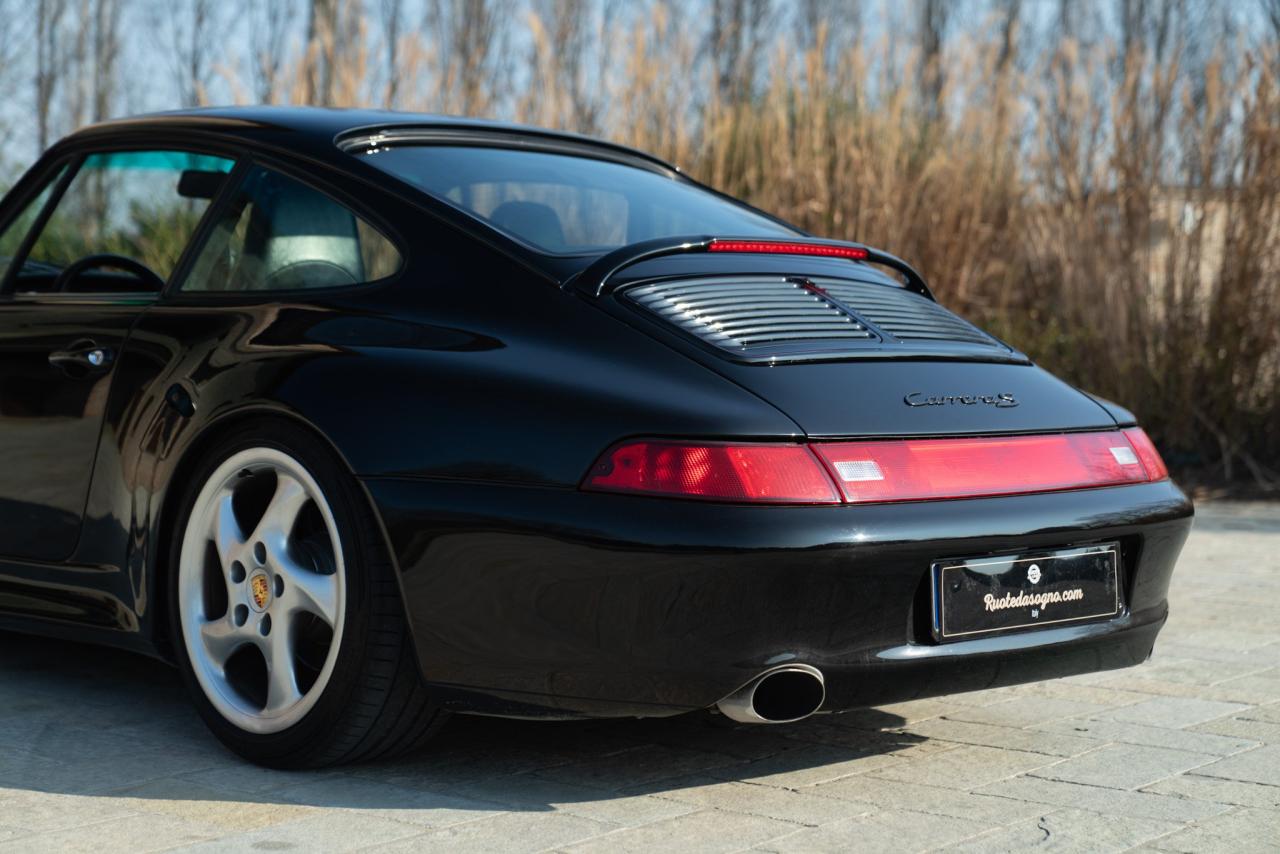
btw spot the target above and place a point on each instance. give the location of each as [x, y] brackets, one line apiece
[982, 596]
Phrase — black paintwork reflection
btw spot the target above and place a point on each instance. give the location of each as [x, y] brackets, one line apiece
[554, 592]
[26, 594]
[50, 420]
[389, 333]
[471, 394]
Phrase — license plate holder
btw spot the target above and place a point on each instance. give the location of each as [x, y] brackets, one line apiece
[982, 596]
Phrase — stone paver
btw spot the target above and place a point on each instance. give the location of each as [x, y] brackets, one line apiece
[1195, 789]
[888, 795]
[1239, 832]
[1026, 711]
[100, 752]
[1261, 765]
[331, 831]
[1152, 736]
[889, 830]
[967, 768]
[1110, 801]
[1173, 712]
[513, 832]
[1069, 830]
[1057, 743]
[1124, 766]
[701, 832]
[128, 834]
[1262, 731]
[803, 807]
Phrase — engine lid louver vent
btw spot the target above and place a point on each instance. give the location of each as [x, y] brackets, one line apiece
[768, 319]
[905, 316]
[744, 314]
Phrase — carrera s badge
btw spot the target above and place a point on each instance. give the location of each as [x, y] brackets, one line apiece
[999, 401]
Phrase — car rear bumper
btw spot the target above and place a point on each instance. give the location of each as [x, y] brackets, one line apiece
[552, 602]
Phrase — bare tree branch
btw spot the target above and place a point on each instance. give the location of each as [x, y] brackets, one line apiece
[471, 36]
[392, 16]
[50, 67]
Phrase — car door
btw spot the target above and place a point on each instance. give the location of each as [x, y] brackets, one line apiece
[81, 261]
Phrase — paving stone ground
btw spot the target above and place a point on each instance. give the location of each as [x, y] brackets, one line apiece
[100, 752]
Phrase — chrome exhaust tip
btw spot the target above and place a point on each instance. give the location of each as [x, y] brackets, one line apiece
[781, 695]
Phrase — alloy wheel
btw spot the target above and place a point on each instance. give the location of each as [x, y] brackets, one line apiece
[261, 590]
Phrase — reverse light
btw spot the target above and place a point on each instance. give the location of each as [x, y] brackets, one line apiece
[784, 247]
[770, 474]
[878, 471]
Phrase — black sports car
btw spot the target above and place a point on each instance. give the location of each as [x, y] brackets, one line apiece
[360, 418]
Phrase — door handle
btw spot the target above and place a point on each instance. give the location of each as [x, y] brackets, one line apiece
[82, 357]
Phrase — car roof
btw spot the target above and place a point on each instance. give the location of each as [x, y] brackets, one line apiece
[317, 129]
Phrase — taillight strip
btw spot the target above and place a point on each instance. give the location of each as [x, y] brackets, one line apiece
[757, 473]
[877, 471]
[933, 469]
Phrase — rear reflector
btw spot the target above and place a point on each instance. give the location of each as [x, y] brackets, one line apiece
[783, 247]
[771, 474]
[878, 471]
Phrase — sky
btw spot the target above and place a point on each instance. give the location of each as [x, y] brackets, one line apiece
[150, 27]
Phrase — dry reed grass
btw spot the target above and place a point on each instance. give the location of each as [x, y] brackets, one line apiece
[1114, 217]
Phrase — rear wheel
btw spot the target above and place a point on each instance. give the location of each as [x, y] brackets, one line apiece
[291, 634]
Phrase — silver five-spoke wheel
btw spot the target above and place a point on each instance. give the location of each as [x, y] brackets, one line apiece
[261, 590]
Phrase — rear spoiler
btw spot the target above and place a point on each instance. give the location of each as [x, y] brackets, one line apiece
[595, 279]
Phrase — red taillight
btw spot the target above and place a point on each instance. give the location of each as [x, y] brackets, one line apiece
[784, 247]
[878, 471]
[1147, 452]
[769, 474]
[924, 469]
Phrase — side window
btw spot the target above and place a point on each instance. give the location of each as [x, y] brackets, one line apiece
[141, 207]
[12, 237]
[281, 235]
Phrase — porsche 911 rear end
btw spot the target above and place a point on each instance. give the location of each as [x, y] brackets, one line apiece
[938, 514]
[982, 522]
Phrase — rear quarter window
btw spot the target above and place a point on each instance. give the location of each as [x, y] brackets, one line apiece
[278, 234]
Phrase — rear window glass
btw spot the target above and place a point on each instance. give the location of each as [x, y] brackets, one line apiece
[569, 205]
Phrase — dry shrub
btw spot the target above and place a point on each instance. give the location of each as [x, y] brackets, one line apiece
[1114, 216]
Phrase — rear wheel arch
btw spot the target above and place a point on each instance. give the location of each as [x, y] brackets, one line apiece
[164, 527]
[377, 703]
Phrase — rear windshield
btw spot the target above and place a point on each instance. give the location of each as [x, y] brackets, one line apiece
[563, 204]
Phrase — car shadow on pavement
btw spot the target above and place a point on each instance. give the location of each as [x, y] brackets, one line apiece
[88, 722]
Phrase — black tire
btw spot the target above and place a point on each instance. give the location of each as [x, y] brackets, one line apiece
[375, 703]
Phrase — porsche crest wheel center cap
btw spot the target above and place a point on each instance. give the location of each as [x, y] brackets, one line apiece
[259, 591]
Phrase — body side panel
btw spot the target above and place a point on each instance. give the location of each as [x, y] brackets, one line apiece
[465, 368]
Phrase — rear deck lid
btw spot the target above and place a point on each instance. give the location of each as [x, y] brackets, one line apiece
[844, 350]
[854, 398]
